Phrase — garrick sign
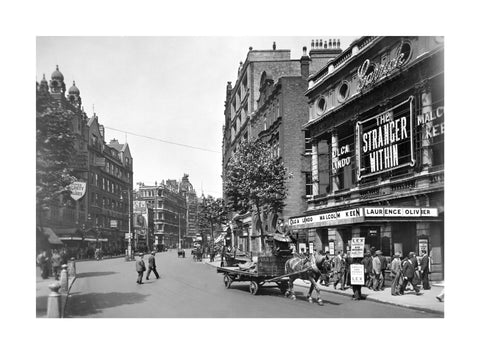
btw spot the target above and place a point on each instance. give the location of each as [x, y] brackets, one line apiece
[370, 73]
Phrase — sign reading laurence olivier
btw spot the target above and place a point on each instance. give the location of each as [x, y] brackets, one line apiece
[385, 141]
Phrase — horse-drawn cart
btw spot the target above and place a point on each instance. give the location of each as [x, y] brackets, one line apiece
[267, 270]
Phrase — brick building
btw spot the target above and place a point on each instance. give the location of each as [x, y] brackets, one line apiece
[267, 102]
[99, 218]
[376, 123]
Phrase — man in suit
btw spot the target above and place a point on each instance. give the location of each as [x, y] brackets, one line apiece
[377, 271]
[152, 266]
[367, 266]
[140, 266]
[383, 268]
[339, 270]
[425, 270]
[409, 274]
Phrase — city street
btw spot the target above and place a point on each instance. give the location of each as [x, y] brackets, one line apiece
[188, 289]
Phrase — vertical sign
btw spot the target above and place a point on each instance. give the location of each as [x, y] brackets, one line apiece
[331, 246]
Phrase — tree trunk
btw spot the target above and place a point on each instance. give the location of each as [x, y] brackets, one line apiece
[262, 236]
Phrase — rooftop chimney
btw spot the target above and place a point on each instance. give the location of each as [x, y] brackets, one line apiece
[274, 46]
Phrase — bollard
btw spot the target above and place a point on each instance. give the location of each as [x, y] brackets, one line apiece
[64, 279]
[54, 303]
[72, 272]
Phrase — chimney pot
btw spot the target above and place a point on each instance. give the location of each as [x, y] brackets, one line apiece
[304, 51]
[330, 43]
[334, 43]
[313, 43]
[321, 43]
[338, 42]
[274, 46]
[250, 48]
[316, 43]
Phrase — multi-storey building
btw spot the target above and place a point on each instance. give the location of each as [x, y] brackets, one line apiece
[267, 102]
[100, 217]
[169, 206]
[192, 211]
[376, 123]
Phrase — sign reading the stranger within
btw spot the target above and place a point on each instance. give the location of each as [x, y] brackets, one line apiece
[385, 141]
[357, 246]
[357, 275]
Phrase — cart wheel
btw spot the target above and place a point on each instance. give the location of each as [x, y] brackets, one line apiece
[283, 286]
[227, 280]
[253, 287]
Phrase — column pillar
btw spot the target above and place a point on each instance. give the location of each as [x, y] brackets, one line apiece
[426, 95]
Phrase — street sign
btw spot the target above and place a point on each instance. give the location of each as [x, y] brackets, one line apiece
[127, 235]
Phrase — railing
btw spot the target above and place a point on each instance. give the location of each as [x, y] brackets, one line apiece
[403, 185]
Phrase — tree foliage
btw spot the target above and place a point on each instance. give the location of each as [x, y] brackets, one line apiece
[255, 180]
[55, 146]
[212, 213]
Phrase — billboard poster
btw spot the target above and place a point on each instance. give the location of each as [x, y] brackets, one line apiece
[140, 218]
[357, 274]
[385, 141]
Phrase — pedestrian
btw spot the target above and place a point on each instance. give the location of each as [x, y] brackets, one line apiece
[367, 267]
[140, 265]
[56, 264]
[395, 274]
[348, 262]
[377, 273]
[339, 270]
[425, 270]
[383, 268]
[409, 274]
[42, 263]
[152, 266]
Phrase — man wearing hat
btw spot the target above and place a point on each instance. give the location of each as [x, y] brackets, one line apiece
[140, 266]
[377, 271]
[367, 266]
[152, 266]
[395, 273]
[409, 274]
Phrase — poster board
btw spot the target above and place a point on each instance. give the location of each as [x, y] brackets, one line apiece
[357, 247]
[357, 274]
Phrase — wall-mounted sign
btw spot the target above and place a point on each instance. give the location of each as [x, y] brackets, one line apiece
[325, 219]
[331, 247]
[339, 159]
[140, 206]
[385, 141]
[113, 223]
[78, 189]
[432, 122]
[370, 73]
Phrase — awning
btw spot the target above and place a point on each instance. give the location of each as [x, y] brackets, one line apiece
[52, 237]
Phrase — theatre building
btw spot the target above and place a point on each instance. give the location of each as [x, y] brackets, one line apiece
[376, 122]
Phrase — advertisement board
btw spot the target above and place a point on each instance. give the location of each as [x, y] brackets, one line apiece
[357, 247]
[78, 190]
[357, 274]
[385, 141]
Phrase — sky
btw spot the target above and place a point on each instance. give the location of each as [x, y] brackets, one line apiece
[170, 88]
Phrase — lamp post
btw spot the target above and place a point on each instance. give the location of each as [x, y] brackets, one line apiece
[129, 256]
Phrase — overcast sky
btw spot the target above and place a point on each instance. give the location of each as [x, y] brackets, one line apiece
[168, 88]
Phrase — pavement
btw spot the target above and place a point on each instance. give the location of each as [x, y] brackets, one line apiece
[426, 302]
[43, 290]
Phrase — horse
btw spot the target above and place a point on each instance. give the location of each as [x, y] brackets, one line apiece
[306, 269]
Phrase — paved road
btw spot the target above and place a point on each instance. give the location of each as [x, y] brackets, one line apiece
[188, 289]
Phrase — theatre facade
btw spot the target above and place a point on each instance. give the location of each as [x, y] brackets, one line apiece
[376, 125]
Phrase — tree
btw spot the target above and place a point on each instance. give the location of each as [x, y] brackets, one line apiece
[255, 180]
[212, 213]
[55, 147]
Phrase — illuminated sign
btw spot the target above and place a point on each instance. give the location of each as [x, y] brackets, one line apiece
[385, 141]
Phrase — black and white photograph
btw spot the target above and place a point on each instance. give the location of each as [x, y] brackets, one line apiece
[314, 177]
[241, 176]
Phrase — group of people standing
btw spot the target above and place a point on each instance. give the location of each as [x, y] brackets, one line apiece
[403, 272]
[50, 262]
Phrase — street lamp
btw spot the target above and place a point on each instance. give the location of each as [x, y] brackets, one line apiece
[129, 248]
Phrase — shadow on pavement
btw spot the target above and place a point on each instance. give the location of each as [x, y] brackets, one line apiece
[42, 306]
[94, 274]
[94, 303]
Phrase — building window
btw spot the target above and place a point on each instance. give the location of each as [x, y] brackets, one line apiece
[308, 142]
[343, 91]
[321, 105]
[308, 184]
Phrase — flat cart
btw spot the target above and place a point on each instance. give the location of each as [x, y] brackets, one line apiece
[269, 270]
[181, 253]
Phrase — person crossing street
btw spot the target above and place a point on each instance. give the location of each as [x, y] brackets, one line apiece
[152, 266]
[140, 266]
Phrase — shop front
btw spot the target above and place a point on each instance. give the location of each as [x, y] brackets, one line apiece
[389, 229]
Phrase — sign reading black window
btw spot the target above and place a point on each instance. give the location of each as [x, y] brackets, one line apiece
[385, 141]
